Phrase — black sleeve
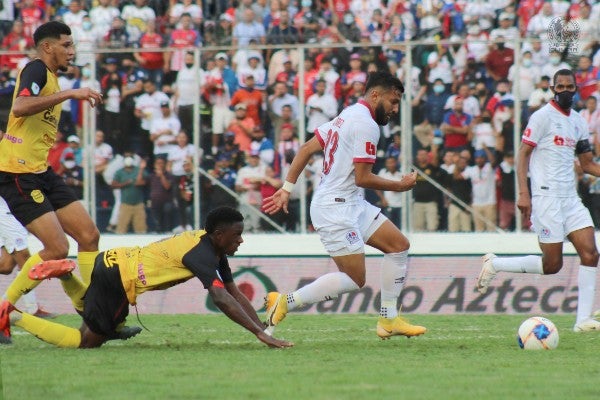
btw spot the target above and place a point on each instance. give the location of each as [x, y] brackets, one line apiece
[583, 146]
[33, 79]
[205, 264]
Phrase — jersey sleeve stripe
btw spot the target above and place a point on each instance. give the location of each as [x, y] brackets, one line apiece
[319, 138]
[529, 142]
[364, 160]
[218, 283]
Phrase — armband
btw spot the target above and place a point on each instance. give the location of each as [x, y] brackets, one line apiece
[583, 146]
[288, 186]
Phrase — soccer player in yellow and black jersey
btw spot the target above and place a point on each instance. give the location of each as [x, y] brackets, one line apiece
[36, 196]
[120, 275]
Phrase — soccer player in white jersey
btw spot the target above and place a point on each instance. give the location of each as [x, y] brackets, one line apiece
[344, 220]
[554, 136]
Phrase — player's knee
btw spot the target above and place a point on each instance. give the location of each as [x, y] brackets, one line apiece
[6, 266]
[57, 250]
[590, 258]
[89, 239]
[360, 281]
[552, 267]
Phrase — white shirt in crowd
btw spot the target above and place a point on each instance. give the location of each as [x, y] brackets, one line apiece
[164, 143]
[484, 184]
[177, 155]
[149, 105]
[328, 108]
[187, 85]
[394, 199]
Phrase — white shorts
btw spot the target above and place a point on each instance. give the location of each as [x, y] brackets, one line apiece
[221, 117]
[554, 218]
[13, 236]
[345, 228]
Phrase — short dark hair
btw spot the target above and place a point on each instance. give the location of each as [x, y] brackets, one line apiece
[385, 80]
[52, 29]
[563, 72]
[221, 217]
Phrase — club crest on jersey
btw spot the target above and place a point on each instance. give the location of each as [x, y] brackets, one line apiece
[352, 237]
[338, 122]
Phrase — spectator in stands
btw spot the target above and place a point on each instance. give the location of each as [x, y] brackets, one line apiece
[426, 196]
[591, 114]
[111, 121]
[255, 69]
[389, 201]
[66, 81]
[102, 15]
[181, 7]
[74, 148]
[252, 100]
[226, 175]
[501, 94]
[289, 142]
[395, 147]
[459, 219]
[589, 30]
[163, 131]
[103, 154]
[280, 98]
[538, 24]
[505, 179]
[476, 42]
[247, 29]
[526, 81]
[224, 30]
[151, 62]
[586, 77]
[247, 184]
[55, 153]
[185, 195]
[219, 85]
[147, 107]
[183, 37]
[73, 175]
[456, 127]
[137, 16]
[117, 37]
[161, 196]
[231, 151]
[556, 64]
[241, 125]
[439, 69]
[187, 87]
[306, 22]
[269, 185]
[131, 180]
[483, 132]
[499, 60]
[286, 118]
[87, 40]
[15, 40]
[32, 16]
[282, 33]
[507, 30]
[264, 146]
[483, 182]
[470, 103]
[436, 99]
[541, 95]
[320, 107]
[356, 72]
[74, 17]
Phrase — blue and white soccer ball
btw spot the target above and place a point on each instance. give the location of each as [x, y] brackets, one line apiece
[537, 333]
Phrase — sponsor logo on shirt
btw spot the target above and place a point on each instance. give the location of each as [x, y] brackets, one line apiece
[352, 237]
[561, 141]
[545, 233]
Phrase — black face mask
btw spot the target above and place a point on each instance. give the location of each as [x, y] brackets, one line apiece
[500, 46]
[564, 99]
[481, 92]
[486, 119]
[189, 65]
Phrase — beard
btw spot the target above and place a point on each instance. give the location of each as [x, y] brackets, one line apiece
[381, 117]
[63, 68]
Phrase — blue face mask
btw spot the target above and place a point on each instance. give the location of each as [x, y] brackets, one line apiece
[438, 89]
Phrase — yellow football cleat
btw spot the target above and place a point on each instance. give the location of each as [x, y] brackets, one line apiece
[276, 305]
[388, 327]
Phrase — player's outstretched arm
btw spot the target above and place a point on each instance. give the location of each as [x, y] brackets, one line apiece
[243, 302]
[281, 198]
[25, 106]
[230, 307]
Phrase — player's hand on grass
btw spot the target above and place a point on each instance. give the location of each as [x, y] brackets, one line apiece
[408, 181]
[273, 342]
[276, 202]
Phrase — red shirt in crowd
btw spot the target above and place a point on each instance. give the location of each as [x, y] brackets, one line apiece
[152, 60]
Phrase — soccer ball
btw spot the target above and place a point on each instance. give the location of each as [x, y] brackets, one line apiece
[537, 333]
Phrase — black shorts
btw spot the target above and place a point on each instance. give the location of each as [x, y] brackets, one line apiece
[105, 303]
[30, 196]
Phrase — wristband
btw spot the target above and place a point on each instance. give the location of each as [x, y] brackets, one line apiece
[288, 186]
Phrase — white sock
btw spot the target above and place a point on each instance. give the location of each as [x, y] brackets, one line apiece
[326, 287]
[393, 275]
[586, 279]
[525, 264]
[30, 301]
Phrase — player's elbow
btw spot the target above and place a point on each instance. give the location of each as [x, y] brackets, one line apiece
[18, 110]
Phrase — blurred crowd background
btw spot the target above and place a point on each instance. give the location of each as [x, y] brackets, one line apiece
[476, 71]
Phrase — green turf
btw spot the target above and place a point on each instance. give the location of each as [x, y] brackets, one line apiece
[335, 357]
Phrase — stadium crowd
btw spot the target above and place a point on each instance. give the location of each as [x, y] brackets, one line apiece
[463, 98]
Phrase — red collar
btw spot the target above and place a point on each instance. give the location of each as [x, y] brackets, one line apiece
[563, 112]
[364, 103]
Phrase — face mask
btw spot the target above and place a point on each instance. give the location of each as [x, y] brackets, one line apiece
[86, 25]
[306, 3]
[128, 161]
[69, 164]
[486, 119]
[189, 66]
[554, 60]
[481, 92]
[527, 62]
[545, 89]
[564, 99]
[500, 46]
[86, 72]
[438, 89]
[348, 19]
[70, 76]
[502, 92]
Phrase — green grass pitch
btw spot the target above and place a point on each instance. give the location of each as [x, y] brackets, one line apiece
[335, 357]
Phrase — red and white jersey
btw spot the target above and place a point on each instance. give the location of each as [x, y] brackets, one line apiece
[554, 135]
[349, 138]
